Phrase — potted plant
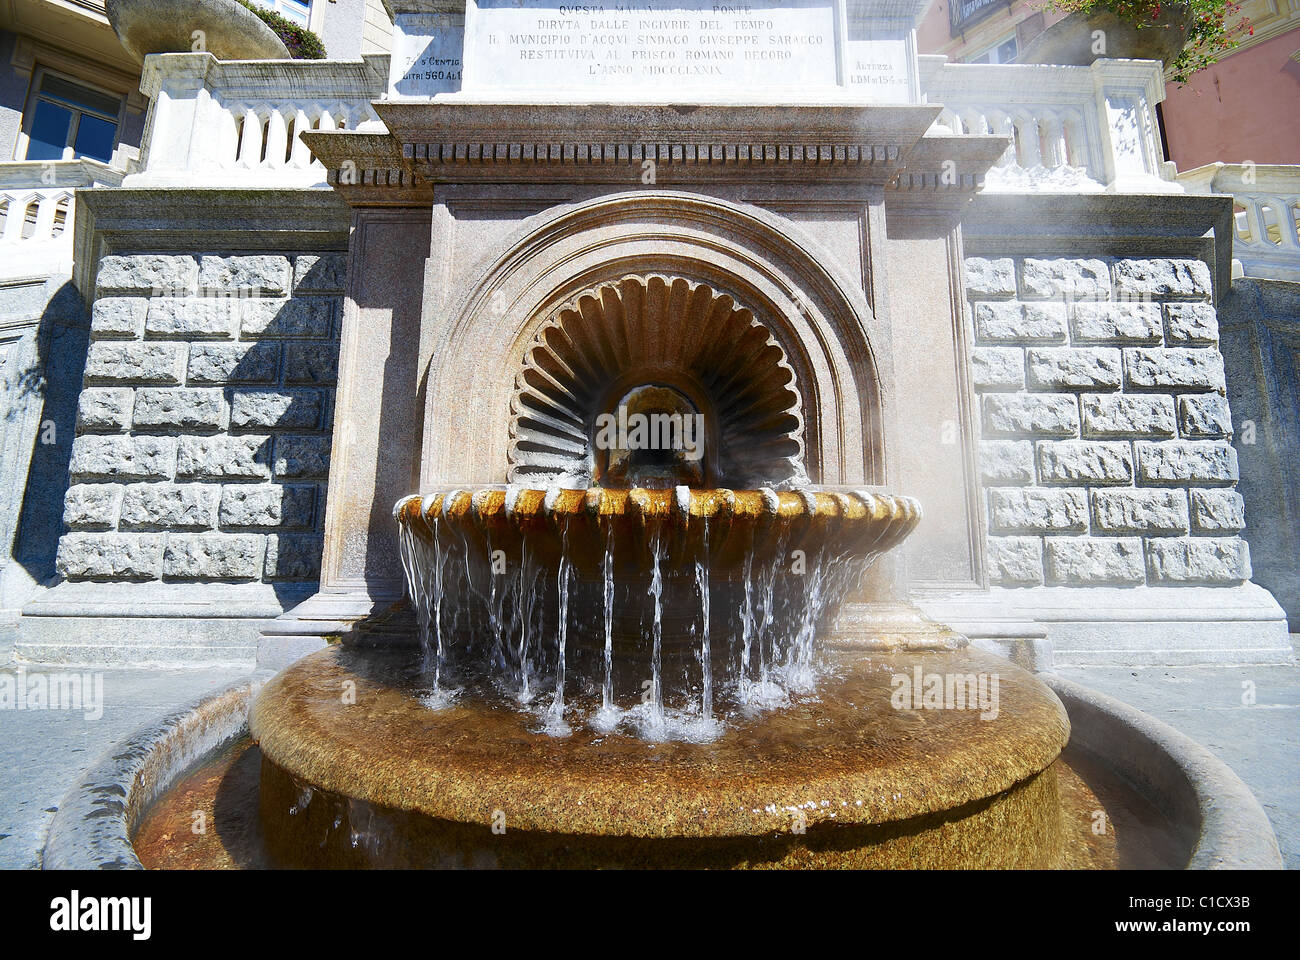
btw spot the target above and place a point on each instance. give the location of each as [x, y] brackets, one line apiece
[1188, 35]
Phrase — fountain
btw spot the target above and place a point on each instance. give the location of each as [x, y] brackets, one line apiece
[637, 664]
[659, 372]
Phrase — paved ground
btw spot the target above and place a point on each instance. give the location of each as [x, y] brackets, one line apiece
[43, 752]
[1260, 741]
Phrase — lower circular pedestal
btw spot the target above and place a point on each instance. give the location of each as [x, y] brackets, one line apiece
[883, 766]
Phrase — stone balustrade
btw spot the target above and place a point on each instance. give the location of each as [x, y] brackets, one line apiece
[36, 212]
[236, 123]
[1073, 129]
[215, 123]
[1266, 215]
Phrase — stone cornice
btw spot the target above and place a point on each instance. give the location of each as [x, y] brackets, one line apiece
[123, 220]
[1103, 224]
[467, 142]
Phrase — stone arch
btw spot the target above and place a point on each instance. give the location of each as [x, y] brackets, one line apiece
[817, 317]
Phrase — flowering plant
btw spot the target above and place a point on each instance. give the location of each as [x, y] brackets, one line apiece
[1214, 27]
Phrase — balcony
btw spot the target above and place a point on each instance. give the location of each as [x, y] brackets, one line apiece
[36, 211]
[236, 123]
[1073, 129]
[964, 14]
[1266, 200]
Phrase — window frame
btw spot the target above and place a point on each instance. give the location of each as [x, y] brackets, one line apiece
[34, 96]
[278, 6]
[1009, 38]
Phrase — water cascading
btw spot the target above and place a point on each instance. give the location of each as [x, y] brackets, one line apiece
[663, 611]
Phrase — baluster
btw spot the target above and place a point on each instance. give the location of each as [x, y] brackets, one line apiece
[1001, 125]
[16, 213]
[1028, 151]
[1286, 223]
[277, 140]
[228, 140]
[250, 144]
[44, 228]
[300, 157]
[1260, 230]
[1055, 154]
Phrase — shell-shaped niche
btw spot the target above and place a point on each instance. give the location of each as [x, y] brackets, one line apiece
[656, 329]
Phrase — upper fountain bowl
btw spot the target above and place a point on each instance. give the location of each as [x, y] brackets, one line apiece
[725, 529]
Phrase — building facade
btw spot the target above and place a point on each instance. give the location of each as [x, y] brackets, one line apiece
[243, 362]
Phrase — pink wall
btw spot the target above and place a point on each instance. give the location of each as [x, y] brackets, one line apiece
[1246, 107]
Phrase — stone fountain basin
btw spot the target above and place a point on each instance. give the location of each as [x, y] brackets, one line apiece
[762, 525]
[1218, 822]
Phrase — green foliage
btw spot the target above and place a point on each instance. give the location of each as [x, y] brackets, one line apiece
[1217, 27]
[302, 43]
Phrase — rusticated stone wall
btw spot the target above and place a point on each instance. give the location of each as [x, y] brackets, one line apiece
[1105, 451]
[203, 431]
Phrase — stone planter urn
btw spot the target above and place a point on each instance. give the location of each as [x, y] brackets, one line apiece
[1071, 41]
[229, 31]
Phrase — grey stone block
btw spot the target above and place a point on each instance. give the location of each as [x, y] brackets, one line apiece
[302, 458]
[1006, 462]
[1139, 511]
[170, 506]
[181, 408]
[296, 409]
[1198, 560]
[234, 363]
[293, 557]
[1174, 368]
[118, 318]
[286, 507]
[1204, 415]
[1163, 278]
[1095, 560]
[324, 273]
[134, 458]
[300, 317]
[1032, 510]
[1065, 279]
[1186, 461]
[91, 506]
[214, 556]
[224, 457]
[998, 368]
[1074, 368]
[1217, 511]
[105, 408]
[147, 274]
[111, 556]
[193, 318]
[1013, 321]
[1015, 560]
[1191, 323]
[1116, 322]
[311, 363]
[262, 274]
[154, 363]
[1047, 415]
[1121, 415]
[1088, 461]
[990, 277]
